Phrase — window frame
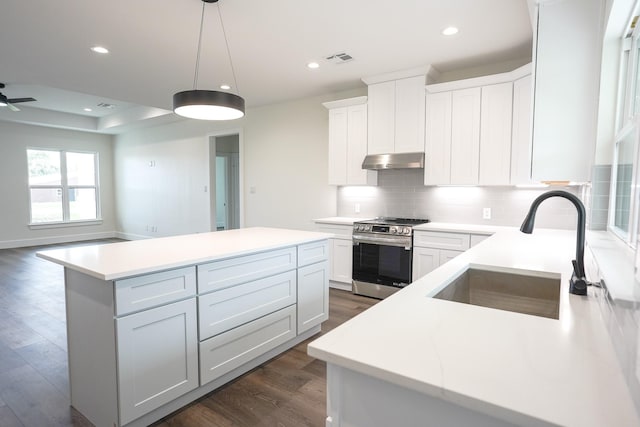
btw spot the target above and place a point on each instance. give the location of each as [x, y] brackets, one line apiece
[65, 188]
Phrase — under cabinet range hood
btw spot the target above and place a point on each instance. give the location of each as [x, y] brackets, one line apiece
[394, 161]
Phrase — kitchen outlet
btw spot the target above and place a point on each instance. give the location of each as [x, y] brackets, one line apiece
[486, 213]
[356, 208]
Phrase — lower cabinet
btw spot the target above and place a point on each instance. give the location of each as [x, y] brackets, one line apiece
[157, 352]
[434, 248]
[342, 260]
[232, 349]
[313, 295]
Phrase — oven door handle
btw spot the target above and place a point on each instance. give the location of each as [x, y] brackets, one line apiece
[406, 243]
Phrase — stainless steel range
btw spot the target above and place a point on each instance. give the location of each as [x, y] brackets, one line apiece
[383, 255]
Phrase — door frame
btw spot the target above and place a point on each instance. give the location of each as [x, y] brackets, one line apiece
[210, 141]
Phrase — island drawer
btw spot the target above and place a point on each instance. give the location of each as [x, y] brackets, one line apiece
[440, 240]
[231, 307]
[230, 272]
[313, 252]
[151, 290]
[230, 350]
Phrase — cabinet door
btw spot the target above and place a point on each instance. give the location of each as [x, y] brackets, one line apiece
[313, 295]
[338, 146]
[381, 113]
[438, 139]
[409, 121]
[157, 357]
[447, 255]
[425, 260]
[566, 92]
[465, 136]
[495, 134]
[521, 131]
[357, 147]
[341, 260]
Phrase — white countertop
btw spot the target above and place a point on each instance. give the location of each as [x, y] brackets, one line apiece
[118, 260]
[339, 220]
[525, 369]
[462, 228]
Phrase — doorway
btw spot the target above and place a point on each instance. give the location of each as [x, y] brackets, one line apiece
[224, 175]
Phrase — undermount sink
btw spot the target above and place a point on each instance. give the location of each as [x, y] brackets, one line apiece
[515, 290]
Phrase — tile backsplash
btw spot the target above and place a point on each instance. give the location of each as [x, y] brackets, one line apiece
[401, 193]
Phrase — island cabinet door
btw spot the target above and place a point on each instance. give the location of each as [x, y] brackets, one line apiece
[313, 295]
[157, 357]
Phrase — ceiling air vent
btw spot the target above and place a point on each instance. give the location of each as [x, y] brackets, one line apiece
[339, 58]
[105, 105]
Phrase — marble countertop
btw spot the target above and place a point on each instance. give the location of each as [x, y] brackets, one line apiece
[525, 369]
[124, 259]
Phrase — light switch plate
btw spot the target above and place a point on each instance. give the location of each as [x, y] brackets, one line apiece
[486, 213]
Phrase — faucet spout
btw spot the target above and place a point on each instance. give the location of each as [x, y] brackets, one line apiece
[578, 283]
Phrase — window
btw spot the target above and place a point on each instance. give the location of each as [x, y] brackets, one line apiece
[63, 186]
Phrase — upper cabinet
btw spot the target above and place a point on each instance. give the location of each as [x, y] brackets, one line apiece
[396, 115]
[521, 131]
[469, 131]
[567, 74]
[348, 142]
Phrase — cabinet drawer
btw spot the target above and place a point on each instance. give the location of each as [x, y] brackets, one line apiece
[311, 253]
[229, 272]
[151, 290]
[227, 308]
[232, 349]
[435, 239]
[339, 231]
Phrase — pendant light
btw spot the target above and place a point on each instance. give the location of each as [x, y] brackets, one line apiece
[209, 104]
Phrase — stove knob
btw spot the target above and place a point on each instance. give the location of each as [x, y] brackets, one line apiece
[360, 227]
[367, 228]
[393, 230]
[407, 230]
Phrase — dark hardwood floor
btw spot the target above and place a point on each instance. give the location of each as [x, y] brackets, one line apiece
[288, 390]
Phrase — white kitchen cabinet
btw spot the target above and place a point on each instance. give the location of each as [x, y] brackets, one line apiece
[340, 255]
[437, 169]
[495, 134]
[425, 260]
[470, 132]
[225, 352]
[465, 136]
[348, 142]
[521, 131]
[162, 341]
[228, 308]
[566, 91]
[341, 261]
[396, 116]
[431, 249]
[313, 295]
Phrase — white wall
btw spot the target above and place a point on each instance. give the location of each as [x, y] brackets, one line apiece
[284, 167]
[14, 192]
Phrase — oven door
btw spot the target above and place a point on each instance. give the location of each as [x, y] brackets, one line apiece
[382, 260]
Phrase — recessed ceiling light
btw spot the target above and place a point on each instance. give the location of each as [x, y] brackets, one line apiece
[313, 65]
[99, 49]
[88, 109]
[449, 31]
[225, 87]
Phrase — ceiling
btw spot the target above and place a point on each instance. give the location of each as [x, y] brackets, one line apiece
[153, 47]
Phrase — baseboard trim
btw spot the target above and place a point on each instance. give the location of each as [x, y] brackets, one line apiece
[51, 240]
[130, 236]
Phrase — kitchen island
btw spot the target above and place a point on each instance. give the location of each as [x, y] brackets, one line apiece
[416, 360]
[155, 324]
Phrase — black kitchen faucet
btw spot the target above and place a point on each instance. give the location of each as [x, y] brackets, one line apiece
[578, 283]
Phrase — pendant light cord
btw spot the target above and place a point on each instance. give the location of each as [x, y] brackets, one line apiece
[195, 76]
[226, 42]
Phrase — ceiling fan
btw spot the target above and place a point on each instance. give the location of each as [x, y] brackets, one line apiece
[8, 102]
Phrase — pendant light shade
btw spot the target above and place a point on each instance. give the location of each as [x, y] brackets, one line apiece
[209, 104]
